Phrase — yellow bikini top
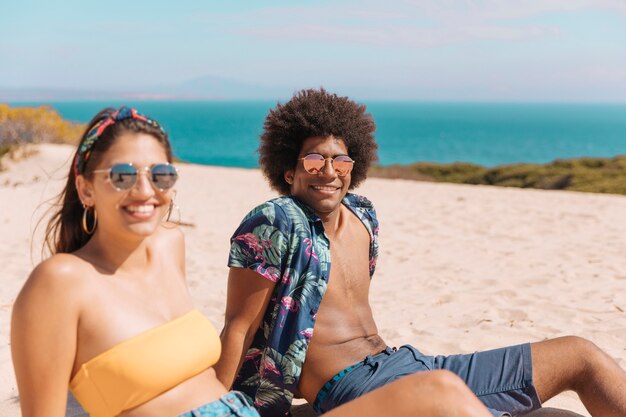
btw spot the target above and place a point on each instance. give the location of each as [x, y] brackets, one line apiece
[144, 366]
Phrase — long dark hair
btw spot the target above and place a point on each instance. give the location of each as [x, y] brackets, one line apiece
[64, 233]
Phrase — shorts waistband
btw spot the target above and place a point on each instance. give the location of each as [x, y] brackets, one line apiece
[321, 396]
[325, 390]
[231, 403]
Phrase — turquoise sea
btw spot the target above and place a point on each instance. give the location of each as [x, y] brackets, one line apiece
[226, 133]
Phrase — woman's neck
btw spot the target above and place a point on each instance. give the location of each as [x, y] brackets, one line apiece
[114, 254]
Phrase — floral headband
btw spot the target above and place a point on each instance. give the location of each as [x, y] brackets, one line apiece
[95, 133]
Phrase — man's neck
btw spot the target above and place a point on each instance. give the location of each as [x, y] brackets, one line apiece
[333, 221]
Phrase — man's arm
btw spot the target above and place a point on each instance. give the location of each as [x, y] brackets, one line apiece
[247, 297]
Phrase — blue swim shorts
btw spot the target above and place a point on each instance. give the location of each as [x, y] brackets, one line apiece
[502, 378]
[232, 404]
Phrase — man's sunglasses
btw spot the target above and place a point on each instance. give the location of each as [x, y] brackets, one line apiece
[314, 163]
[124, 176]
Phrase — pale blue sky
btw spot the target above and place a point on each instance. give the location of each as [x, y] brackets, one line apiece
[502, 50]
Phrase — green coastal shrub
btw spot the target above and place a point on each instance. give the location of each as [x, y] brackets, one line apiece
[598, 175]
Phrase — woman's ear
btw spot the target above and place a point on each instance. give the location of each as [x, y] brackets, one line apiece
[289, 176]
[85, 191]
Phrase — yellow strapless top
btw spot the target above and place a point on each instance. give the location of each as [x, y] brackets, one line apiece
[144, 366]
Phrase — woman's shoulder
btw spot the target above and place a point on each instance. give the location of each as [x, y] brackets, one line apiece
[168, 239]
[60, 267]
[55, 281]
[58, 272]
[171, 233]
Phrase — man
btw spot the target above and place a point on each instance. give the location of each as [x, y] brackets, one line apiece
[298, 324]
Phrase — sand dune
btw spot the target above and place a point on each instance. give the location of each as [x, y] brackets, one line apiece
[461, 268]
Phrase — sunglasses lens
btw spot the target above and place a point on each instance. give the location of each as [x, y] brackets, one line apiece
[343, 165]
[123, 176]
[313, 163]
[163, 176]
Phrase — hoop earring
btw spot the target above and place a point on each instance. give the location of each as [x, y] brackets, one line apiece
[95, 220]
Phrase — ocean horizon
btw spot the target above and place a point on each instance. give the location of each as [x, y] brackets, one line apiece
[226, 133]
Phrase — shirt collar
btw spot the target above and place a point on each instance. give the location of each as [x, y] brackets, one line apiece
[353, 201]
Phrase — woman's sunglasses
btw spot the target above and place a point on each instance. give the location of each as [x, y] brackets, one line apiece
[314, 163]
[124, 176]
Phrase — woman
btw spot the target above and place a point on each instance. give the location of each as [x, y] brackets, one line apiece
[109, 314]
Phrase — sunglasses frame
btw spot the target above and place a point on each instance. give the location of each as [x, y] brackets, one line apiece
[145, 169]
[332, 163]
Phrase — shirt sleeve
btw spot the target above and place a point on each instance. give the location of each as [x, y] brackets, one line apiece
[373, 244]
[370, 213]
[260, 242]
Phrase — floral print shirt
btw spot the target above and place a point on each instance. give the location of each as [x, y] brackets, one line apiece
[284, 241]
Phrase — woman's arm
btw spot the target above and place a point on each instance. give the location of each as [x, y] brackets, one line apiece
[43, 338]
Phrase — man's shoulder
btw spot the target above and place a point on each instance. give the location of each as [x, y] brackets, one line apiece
[364, 210]
[358, 201]
[280, 209]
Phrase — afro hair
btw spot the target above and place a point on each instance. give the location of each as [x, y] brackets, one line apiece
[315, 113]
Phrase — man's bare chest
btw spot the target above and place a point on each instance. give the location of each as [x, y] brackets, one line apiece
[349, 257]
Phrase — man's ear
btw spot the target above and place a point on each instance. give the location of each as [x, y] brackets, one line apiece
[85, 191]
[289, 176]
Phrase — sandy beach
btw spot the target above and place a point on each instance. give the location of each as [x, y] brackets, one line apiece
[461, 268]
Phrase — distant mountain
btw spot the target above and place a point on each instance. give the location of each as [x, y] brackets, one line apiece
[202, 88]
